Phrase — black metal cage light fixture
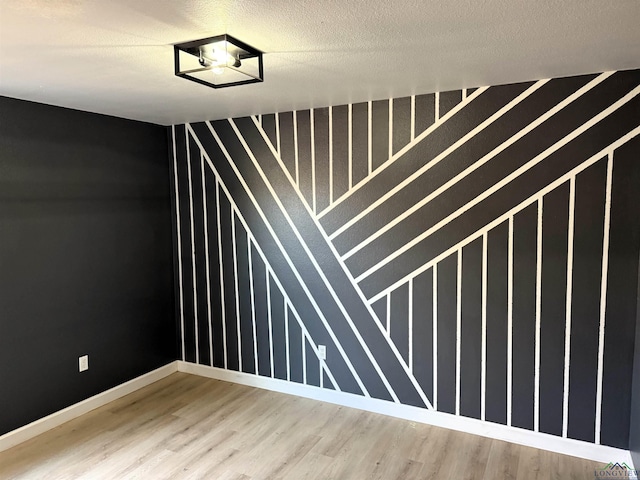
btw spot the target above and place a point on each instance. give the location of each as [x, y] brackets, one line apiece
[220, 61]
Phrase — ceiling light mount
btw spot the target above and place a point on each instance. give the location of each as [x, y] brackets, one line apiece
[217, 62]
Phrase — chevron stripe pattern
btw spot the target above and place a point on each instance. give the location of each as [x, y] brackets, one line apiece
[472, 252]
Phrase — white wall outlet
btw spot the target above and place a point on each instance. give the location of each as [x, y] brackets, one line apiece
[322, 351]
[83, 363]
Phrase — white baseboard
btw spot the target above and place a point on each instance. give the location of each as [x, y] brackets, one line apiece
[576, 448]
[543, 441]
[33, 429]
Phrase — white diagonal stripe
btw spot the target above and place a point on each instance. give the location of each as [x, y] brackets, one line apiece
[538, 195]
[411, 178]
[406, 148]
[486, 158]
[234, 210]
[527, 166]
[314, 262]
[280, 246]
[350, 277]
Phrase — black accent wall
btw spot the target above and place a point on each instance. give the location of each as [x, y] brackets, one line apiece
[85, 256]
[471, 252]
[634, 436]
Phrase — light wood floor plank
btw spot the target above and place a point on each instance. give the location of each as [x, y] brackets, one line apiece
[188, 427]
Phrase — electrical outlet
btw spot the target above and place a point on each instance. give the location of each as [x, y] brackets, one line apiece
[83, 363]
[322, 351]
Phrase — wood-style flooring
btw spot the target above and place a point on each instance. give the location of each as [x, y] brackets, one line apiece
[186, 426]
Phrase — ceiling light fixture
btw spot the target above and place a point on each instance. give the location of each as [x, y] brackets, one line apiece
[220, 61]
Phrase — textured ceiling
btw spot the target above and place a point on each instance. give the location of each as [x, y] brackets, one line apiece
[116, 56]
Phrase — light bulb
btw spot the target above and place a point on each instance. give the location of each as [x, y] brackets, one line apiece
[217, 59]
[220, 57]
